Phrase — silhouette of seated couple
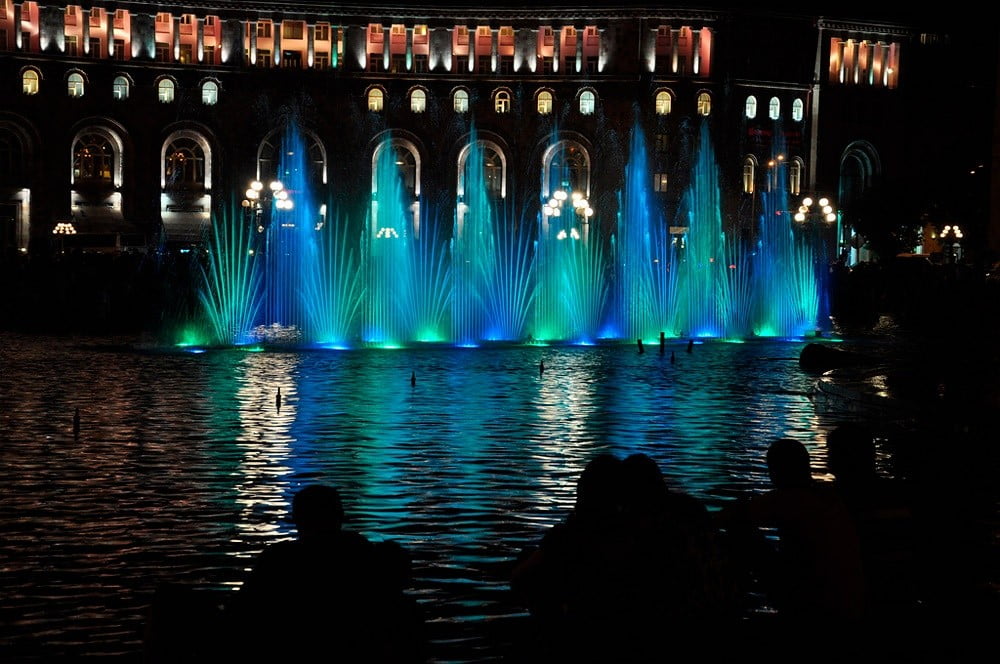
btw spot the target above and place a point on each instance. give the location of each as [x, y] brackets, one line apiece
[330, 593]
[634, 561]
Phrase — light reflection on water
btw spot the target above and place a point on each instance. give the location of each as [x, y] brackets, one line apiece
[184, 466]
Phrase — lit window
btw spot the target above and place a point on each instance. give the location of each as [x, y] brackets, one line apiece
[659, 182]
[544, 102]
[29, 82]
[797, 108]
[461, 101]
[120, 88]
[663, 102]
[165, 91]
[795, 177]
[749, 169]
[751, 107]
[502, 102]
[418, 101]
[75, 85]
[704, 104]
[774, 109]
[375, 98]
[587, 102]
[209, 93]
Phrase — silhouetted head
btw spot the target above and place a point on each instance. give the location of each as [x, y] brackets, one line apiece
[598, 491]
[642, 483]
[317, 511]
[788, 463]
[850, 450]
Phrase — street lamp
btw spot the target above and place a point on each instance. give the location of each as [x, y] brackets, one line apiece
[951, 241]
[62, 229]
[580, 209]
[256, 199]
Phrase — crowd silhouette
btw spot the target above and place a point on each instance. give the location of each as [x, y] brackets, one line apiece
[635, 566]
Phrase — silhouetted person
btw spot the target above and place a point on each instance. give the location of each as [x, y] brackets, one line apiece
[641, 349]
[632, 560]
[815, 570]
[885, 516]
[330, 593]
[413, 378]
[277, 401]
[690, 345]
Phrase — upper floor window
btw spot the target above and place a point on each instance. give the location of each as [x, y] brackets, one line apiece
[797, 110]
[587, 102]
[418, 101]
[774, 109]
[74, 83]
[209, 93]
[704, 104]
[751, 107]
[120, 88]
[460, 101]
[795, 176]
[165, 91]
[501, 103]
[375, 100]
[29, 82]
[663, 102]
[544, 102]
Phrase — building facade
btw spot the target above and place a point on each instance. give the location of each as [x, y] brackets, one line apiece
[133, 124]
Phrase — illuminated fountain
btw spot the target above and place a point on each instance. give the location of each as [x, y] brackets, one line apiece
[544, 275]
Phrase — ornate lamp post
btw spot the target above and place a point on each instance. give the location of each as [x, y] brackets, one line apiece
[820, 214]
[580, 211]
[257, 199]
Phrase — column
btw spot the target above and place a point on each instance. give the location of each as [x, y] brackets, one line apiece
[276, 57]
[580, 35]
[253, 42]
[85, 34]
[311, 46]
[494, 57]
[17, 29]
[176, 46]
[556, 48]
[409, 48]
[200, 41]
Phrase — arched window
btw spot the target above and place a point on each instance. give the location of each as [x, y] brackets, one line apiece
[418, 101]
[664, 102]
[588, 102]
[749, 174]
[501, 102]
[165, 91]
[29, 82]
[12, 165]
[544, 102]
[375, 100]
[270, 151]
[209, 93]
[704, 104]
[93, 159]
[74, 84]
[774, 109]
[184, 164]
[795, 176]
[494, 171]
[407, 162]
[797, 109]
[751, 107]
[567, 167]
[460, 101]
[120, 88]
